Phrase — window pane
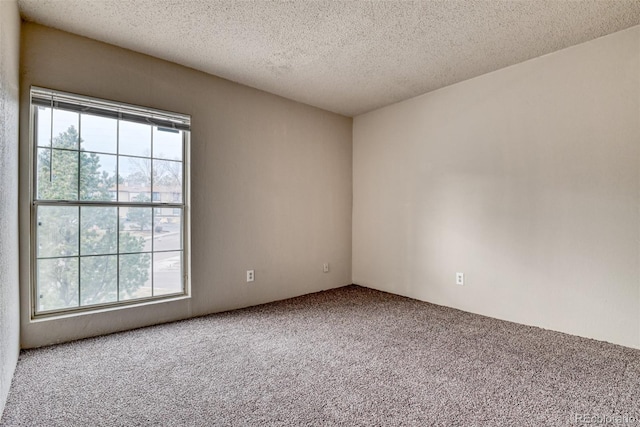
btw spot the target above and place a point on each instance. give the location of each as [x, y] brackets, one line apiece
[167, 180]
[135, 229]
[167, 144]
[99, 134]
[57, 230]
[135, 276]
[98, 279]
[57, 283]
[135, 179]
[91, 248]
[43, 131]
[65, 129]
[97, 176]
[167, 273]
[43, 173]
[61, 183]
[167, 230]
[98, 229]
[135, 139]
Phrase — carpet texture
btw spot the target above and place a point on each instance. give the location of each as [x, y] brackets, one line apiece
[350, 356]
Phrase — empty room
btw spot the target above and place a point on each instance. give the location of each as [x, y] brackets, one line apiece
[346, 213]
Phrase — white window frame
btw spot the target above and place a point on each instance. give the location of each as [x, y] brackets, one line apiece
[119, 111]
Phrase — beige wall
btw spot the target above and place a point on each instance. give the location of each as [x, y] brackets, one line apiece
[525, 179]
[271, 181]
[9, 107]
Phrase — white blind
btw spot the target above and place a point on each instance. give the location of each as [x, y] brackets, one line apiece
[115, 110]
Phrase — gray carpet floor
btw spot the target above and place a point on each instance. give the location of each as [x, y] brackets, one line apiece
[350, 356]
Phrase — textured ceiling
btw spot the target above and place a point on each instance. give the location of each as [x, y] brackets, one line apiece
[347, 57]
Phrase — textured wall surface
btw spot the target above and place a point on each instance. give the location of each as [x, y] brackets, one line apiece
[525, 179]
[9, 107]
[271, 181]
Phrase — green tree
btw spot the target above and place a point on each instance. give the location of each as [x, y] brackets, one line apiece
[141, 217]
[65, 172]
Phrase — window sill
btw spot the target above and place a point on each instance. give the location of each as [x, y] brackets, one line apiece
[44, 317]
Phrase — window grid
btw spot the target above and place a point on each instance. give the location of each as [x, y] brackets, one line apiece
[118, 199]
[78, 202]
[78, 175]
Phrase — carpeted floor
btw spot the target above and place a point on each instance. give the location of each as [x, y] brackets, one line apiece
[350, 356]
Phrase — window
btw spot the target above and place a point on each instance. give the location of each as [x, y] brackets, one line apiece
[109, 203]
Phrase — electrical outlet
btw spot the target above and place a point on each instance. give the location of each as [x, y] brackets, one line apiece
[325, 267]
[459, 278]
[251, 275]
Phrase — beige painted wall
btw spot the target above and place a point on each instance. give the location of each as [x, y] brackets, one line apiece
[271, 181]
[9, 108]
[525, 179]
